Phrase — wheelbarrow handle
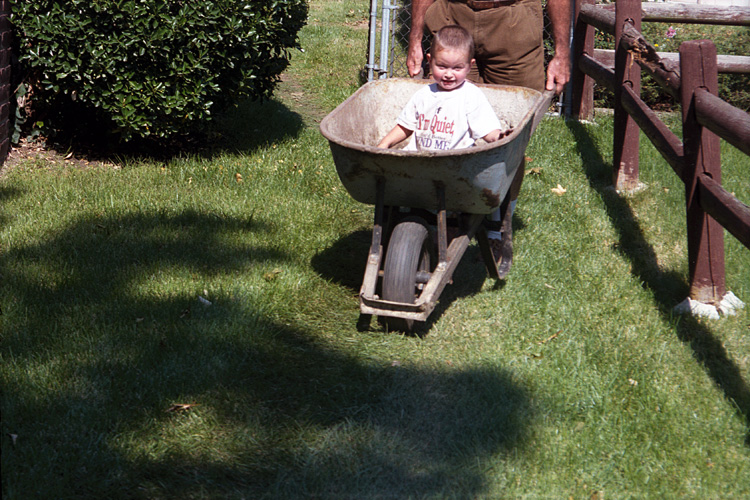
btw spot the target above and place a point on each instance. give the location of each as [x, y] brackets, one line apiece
[541, 107]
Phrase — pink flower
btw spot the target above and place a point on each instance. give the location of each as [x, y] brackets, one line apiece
[671, 32]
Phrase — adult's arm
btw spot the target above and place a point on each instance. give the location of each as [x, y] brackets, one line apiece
[415, 56]
[558, 69]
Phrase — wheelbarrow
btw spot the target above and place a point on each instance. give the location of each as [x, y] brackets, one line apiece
[419, 195]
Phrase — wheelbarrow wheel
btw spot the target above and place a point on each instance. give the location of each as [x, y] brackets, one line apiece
[409, 252]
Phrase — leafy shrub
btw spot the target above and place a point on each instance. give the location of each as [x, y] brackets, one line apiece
[143, 68]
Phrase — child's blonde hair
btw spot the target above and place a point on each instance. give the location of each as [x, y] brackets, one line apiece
[453, 37]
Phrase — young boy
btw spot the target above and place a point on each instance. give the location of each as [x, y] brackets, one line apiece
[452, 112]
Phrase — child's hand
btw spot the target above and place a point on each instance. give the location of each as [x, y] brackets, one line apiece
[492, 136]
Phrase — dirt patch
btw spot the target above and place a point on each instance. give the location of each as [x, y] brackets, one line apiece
[36, 154]
[293, 95]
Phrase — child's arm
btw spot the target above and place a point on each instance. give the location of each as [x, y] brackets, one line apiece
[396, 135]
[492, 136]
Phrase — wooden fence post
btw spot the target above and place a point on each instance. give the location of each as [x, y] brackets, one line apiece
[627, 72]
[582, 85]
[702, 156]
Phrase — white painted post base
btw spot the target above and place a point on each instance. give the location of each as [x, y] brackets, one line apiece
[728, 306]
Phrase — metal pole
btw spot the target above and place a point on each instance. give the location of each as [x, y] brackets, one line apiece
[372, 39]
[384, 35]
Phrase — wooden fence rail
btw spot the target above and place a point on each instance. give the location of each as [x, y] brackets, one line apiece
[692, 78]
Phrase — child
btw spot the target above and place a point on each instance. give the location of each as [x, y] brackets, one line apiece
[451, 113]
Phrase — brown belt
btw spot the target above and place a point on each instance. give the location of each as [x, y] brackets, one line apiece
[487, 4]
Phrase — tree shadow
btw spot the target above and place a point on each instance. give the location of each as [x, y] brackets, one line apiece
[668, 287]
[297, 417]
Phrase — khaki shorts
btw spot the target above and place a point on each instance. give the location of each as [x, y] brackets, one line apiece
[508, 39]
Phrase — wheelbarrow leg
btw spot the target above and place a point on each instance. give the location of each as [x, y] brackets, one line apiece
[375, 256]
[489, 259]
[442, 225]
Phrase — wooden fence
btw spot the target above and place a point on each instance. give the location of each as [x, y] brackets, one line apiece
[693, 80]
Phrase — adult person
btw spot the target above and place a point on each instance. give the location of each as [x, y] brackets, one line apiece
[509, 50]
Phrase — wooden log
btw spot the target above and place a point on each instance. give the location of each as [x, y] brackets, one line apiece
[663, 139]
[626, 134]
[725, 208]
[582, 86]
[677, 12]
[724, 63]
[603, 75]
[730, 123]
[702, 157]
[666, 73]
[601, 19]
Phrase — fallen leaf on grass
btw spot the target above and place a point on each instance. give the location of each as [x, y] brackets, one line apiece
[559, 190]
[272, 275]
[535, 170]
[550, 287]
[551, 337]
[528, 159]
[238, 177]
[181, 407]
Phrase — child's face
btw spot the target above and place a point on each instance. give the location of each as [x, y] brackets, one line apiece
[449, 68]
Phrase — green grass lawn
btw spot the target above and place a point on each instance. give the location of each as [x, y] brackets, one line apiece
[228, 281]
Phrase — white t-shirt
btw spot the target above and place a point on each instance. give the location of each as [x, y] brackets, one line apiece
[451, 119]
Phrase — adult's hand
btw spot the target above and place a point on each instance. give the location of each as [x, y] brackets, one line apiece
[558, 72]
[414, 57]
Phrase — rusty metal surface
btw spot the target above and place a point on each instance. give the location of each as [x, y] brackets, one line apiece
[476, 179]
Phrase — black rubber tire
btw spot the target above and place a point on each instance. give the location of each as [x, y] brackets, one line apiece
[409, 251]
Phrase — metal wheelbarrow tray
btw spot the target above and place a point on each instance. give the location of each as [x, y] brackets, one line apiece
[472, 182]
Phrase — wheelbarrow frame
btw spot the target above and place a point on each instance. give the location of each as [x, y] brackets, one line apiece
[375, 187]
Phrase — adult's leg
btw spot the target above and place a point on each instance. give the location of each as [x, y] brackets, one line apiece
[510, 51]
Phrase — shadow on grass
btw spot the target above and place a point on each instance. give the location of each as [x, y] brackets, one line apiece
[255, 124]
[6, 194]
[243, 129]
[98, 344]
[668, 287]
[345, 261]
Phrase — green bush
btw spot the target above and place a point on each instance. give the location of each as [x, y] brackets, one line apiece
[149, 68]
